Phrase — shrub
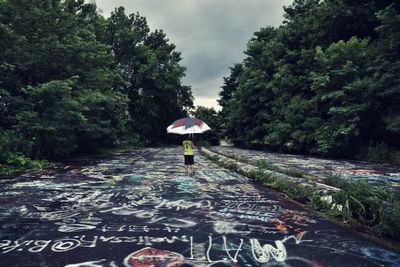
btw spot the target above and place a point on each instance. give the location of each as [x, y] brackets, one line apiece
[335, 181]
[263, 164]
[18, 162]
[131, 140]
[364, 201]
[10, 143]
[315, 202]
[390, 221]
[380, 152]
[214, 158]
[294, 173]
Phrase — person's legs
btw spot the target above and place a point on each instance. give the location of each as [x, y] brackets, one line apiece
[192, 164]
[186, 164]
[186, 169]
[192, 167]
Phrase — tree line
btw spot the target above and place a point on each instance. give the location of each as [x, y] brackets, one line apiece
[73, 81]
[326, 82]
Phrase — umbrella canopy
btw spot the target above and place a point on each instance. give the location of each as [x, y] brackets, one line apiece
[188, 126]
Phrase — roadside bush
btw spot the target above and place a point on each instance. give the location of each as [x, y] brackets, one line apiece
[301, 193]
[314, 201]
[263, 164]
[18, 162]
[294, 173]
[256, 174]
[364, 201]
[335, 181]
[390, 221]
[15, 152]
[214, 159]
[11, 143]
[380, 152]
[131, 140]
[231, 166]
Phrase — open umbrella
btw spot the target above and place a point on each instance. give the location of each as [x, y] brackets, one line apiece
[188, 126]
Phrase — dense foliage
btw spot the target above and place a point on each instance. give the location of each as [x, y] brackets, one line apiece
[326, 82]
[73, 81]
[210, 116]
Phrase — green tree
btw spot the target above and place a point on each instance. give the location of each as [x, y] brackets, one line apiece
[152, 74]
[47, 45]
[229, 87]
[324, 82]
[209, 116]
[51, 119]
[250, 103]
[386, 68]
[344, 97]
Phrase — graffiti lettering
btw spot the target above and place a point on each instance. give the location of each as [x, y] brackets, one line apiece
[262, 253]
[87, 264]
[148, 257]
[234, 259]
[182, 204]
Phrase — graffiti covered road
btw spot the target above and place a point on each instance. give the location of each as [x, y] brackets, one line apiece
[140, 209]
[376, 174]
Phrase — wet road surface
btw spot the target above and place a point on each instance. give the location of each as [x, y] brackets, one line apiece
[140, 209]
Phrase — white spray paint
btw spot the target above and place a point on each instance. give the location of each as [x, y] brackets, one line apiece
[87, 264]
[262, 253]
[209, 248]
[234, 259]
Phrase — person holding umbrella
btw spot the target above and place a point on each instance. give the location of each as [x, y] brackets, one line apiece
[188, 154]
[188, 126]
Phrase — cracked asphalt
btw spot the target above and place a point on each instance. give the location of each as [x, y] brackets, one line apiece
[139, 209]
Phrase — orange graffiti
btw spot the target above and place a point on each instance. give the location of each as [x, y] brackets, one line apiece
[283, 227]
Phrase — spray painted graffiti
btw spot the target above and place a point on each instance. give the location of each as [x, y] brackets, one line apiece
[377, 174]
[140, 209]
[147, 257]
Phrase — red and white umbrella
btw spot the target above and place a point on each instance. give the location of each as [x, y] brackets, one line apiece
[188, 126]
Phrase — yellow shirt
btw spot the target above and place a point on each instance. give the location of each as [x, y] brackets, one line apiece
[188, 147]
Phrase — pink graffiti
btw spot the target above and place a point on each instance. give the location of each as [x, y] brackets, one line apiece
[148, 257]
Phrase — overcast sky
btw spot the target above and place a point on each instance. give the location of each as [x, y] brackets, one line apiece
[210, 34]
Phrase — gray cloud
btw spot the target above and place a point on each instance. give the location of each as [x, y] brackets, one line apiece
[211, 34]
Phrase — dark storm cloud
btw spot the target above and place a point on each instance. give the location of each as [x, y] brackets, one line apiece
[211, 34]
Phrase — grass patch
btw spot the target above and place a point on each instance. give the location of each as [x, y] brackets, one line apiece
[16, 162]
[335, 181]
[375, 207]
[225, 164]
[294, 173]
[229, 165]
[263, 164]
[214, 159]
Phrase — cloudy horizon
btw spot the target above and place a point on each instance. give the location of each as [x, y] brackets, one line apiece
[211, 35]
